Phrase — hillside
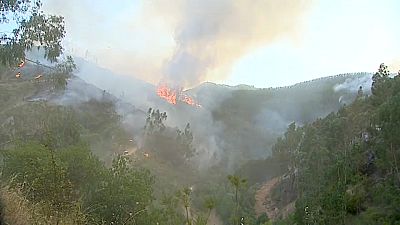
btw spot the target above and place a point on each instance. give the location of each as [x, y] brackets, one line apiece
[343, 168]
[237, 122]
[233, 126]
[108, 115]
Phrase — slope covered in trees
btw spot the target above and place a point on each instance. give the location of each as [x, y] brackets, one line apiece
[67, 160]
[344, 168]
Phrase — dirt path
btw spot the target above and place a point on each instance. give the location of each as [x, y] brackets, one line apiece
[263, 199]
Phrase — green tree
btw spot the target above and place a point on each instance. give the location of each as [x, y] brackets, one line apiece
[155, 121]
[380, 84]
[123, 194]
[185, 140]
[237, 183]
[41, 176]
[170, 213]
[61, 73]
[209, 204]
[186, 199]
[33, 29]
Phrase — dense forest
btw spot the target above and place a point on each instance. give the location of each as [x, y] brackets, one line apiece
[343, 169]
[339, 169]
[68, 157]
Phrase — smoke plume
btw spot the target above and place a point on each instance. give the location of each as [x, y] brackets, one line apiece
[211, 35]
[183, 42]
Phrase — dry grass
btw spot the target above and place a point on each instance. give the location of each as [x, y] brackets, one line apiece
[17, 210]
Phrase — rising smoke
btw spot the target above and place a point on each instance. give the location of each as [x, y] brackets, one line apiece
[352, 84]
[180, 42]
[211, 35]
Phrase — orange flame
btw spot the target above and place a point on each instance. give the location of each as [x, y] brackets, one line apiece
[167, 93]
[174, 95]
[188, 100]
[21, 64]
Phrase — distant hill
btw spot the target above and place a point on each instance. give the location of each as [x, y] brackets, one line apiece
[233, 124]
[251, 119]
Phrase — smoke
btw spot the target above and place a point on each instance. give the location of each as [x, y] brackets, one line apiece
[354, 83]
[394, 66]
[211, 35]
[351, 86]
[208, 133]
[132, 99]
[182, 42]
[275, 121]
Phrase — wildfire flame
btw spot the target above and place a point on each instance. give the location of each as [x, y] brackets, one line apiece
[175, 95]
[21, 64]
[167, 93]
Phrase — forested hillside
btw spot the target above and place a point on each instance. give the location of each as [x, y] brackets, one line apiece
[338, 169]
[114, 150]
[343, 169]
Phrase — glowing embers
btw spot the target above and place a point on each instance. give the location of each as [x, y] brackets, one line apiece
[175, 95]
[188, 100]
[169, 94]
[21, 64]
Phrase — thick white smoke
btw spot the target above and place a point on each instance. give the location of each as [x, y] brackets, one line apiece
[354, 83]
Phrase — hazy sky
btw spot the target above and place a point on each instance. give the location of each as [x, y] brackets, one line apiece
[262, 42]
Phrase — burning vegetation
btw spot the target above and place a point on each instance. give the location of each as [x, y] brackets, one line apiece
[21, 64]
[175, 95]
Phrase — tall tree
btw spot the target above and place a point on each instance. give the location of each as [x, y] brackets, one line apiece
[380, 84]
[237, 183]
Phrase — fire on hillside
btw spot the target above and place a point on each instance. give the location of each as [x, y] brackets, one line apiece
[175, 95]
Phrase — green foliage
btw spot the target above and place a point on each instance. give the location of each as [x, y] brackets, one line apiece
[56, 126]
[237, 183]
[170, 213]
[175, 148]
[381, 85]
[344, 168]
[34, 29]
[264, 114]
[354, 199]
[122, 194]
[185, 140]
[263, 219]
[22, 7]
[41, 177]
[62, 73]
[209, 203]
[97, 115]
[347, 163]
[66, 179]
[185, 198]
[155, 121]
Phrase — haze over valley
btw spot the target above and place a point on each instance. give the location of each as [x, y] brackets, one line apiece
[190, 112]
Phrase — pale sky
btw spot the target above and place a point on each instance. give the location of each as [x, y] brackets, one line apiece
[340, 36]
[267, 44]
